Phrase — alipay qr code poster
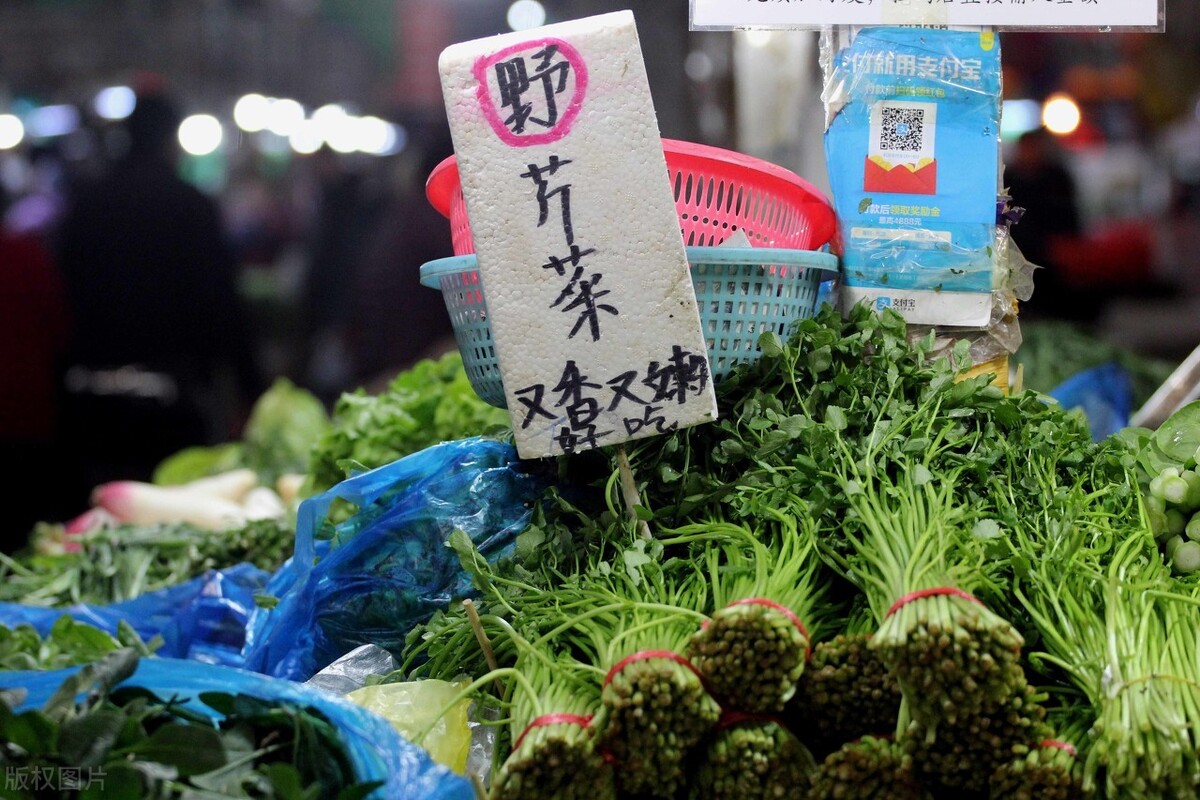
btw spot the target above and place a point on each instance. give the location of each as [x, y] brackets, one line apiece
[913, 154]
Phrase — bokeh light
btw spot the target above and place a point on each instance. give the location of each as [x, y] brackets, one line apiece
[1061, 115]
[200, 134]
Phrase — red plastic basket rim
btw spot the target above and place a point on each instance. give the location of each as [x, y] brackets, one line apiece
[443, 180]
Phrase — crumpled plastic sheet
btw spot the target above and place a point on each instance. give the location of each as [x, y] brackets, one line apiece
[353, 671]
[375, 749]
[388, 567]
[203, 619]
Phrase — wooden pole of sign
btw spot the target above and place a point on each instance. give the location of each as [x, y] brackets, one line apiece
[481, 636]
[629, 492]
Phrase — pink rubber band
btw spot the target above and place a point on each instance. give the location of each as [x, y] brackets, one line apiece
[941, 590]
[782, 609]
[545, 720]
[1059, 744]
[646, 655]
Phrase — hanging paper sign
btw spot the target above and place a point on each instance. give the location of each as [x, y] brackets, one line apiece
[581, 259]
[999, 14]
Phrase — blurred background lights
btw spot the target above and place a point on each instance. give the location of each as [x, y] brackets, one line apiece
[759, 38]
[284, 116]
[50, 121]
[698, 65]
[11, 131]
[375, 136]
[200, 134]
[342, 135]
[1019, 117]
[326, 120]
[115, 102]
[251, 112]
[307, 138]
[1061, 115]
[525, 14]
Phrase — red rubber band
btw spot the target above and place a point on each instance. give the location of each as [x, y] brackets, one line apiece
[1059, 744]
[545, 720]
[787, 612]
[941, 590]
[646, 655]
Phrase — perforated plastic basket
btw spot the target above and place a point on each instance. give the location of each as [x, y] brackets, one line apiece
[717, 192]
[741, 292]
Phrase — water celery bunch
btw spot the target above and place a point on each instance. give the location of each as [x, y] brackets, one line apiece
[1048, 772]
[870, 768]
[654, 708]
[554, 751]
[766, 589]
[1125, 636]
[847, 690]
[752, 758]
[912, 555]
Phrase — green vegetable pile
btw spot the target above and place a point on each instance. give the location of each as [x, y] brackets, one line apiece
[1168, 461]
[277, 440]
[67, 644]
[116, 564]
[1052, 351]
[873, 578]
[431, 403]
[127, 743]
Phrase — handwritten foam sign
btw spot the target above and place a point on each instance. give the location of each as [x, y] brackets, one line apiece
[1002, 14]
[593, 315]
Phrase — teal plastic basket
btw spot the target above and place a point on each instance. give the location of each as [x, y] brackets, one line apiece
[742, 293]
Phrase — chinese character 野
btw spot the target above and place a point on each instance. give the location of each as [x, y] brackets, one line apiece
[530, 87]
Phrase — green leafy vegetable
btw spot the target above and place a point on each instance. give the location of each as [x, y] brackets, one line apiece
[116, 564]
[68, 643]
[127, 742]
[431, 403]
[285, 424]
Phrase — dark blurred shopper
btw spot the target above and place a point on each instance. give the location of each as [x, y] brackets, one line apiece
[162, 357]
[34, 314]
[395, 321]
[1038, 181]
[343, 217]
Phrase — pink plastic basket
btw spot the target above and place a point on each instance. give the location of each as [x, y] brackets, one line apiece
[717, 192]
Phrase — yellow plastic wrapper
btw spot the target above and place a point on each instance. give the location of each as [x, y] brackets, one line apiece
[412, 706]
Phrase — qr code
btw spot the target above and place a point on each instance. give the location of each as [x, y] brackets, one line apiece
[902, 130]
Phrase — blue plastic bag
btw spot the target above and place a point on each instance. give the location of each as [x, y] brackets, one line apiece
[203, 619]
[1105, 393]
[376, 750]
[388, 567]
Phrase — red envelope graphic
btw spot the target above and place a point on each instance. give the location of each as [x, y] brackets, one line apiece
[900, 179]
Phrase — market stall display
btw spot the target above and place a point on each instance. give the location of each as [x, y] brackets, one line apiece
[883, 571]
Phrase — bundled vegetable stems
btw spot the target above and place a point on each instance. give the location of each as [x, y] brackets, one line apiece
[554, 751]
[1130, 644]
[654, 706]
[750, 757]
[951, 655]
[870, 768]
[846, 692]
[930, 494]
[1047, 772]
[763, 593]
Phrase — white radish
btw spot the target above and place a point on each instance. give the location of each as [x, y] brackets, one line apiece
[146, 504]
[288, 486]
[262, 503]
[232, 485]
[91, 520]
